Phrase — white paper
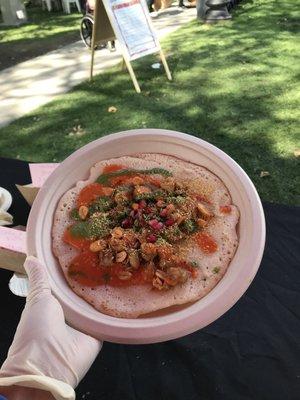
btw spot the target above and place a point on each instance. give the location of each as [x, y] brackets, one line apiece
[132, 21]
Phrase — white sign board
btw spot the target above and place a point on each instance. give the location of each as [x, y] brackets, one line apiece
[129, 21]
[133, 28]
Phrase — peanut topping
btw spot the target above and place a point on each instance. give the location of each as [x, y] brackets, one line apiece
[120, 257]
[98, 245]
[83, 212]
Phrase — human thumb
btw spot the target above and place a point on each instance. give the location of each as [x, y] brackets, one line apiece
[38, 279]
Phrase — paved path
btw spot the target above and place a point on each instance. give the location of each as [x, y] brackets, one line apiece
[33, 83]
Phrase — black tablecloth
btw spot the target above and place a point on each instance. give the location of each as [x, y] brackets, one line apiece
[252, 352]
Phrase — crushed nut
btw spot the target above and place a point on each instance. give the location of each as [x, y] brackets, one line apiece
[170, 209]
[179, 275]
[137, 180]
[117, 244]
[117, 232]
[120, 257]
[106, 257]
[134, 260]
[201, 222]
[125, 275]
[168, 184]
[204, 211]
[148, 251]
[98, 245]
[138, 190]
[178, 218]
[121, 197]
[83, 212]
[159, 284]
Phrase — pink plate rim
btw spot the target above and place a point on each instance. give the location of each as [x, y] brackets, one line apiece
[151, 330]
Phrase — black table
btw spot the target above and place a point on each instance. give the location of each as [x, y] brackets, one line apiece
[252, 352]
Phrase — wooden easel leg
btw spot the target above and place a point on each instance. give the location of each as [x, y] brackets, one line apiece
[133, 77]
[165, 64]
[92, 62]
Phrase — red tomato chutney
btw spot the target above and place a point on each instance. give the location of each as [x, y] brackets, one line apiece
[206, 243]
[225, 209]
[79, 243]
[97, 224]
[86, 270]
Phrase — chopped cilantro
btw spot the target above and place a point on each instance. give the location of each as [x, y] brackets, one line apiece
[149, 196]
[80, 229]
[189, 226]
[74, 214]
[175, 199]
[101, 204]
[172, 234]
[216, 270]
[136, 226]
[121, 215]
[194, 264]
[104, 178]
[160, 241]
[93, 228]
[180, 199]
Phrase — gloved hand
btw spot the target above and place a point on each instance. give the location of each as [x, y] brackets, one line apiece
[46, 353]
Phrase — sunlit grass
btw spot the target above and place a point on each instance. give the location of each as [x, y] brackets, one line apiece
[41, 24]
[235, 85]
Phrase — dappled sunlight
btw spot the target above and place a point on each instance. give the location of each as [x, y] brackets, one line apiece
[234, 86]
[40, 24]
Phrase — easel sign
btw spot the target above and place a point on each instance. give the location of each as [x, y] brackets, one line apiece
[128, 21]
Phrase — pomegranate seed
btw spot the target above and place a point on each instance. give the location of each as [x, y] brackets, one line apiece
[159, 226]
[142, 204]
[156, 224]
[163, 212]
[127, 223]
[151, 238]
[169, 222]
[132, 213]
[153, 223]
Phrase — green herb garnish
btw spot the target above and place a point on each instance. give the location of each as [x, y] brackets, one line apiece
[97, 227]
[216, 270]
[161, 241]
[101, 204]
[104, 178]
[189, 226]
[175, 199]
[75, 215]
[149, 196]
[194, 264]
[172, 234]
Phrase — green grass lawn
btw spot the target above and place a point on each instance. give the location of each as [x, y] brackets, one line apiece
[235, 85]
[45, 31]
[42, 24]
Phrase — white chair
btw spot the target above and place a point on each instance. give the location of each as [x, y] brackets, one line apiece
[66, 5]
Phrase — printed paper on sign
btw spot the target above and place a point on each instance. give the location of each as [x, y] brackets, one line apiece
[132, 20]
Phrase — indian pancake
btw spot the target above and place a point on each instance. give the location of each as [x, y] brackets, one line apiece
[144, 233]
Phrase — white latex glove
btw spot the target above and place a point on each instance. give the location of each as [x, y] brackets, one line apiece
[46, 353]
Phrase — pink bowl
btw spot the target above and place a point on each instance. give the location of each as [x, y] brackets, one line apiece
[178, 321]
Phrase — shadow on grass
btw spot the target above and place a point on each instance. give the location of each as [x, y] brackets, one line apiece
[234, 86]
[44, 32]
